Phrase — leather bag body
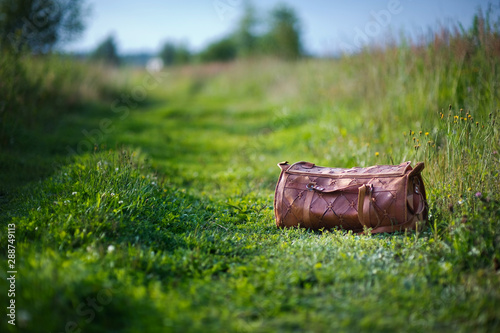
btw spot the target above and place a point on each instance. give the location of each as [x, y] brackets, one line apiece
[385, 198]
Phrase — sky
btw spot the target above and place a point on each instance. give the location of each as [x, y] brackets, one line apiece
[327, 26]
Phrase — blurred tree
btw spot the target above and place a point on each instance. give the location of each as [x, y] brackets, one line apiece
[246, 35]
[182, 54]
[39, 25]
[221, 50]
[283, 38]
[106, 52]
[167, 53]
[175, 54]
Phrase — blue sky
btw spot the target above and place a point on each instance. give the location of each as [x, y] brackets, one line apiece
[327, 26]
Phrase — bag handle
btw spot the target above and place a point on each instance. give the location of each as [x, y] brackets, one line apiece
[364, 197]
[313, 187]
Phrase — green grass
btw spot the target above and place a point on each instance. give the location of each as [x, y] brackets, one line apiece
[166, 225]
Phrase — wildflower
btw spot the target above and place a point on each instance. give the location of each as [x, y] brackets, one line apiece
[419, 132]
[477, 123]
[74, 193]
[116, 169]
[478, 194]
[377, 153]
[442, 115]
[120, 202]
[426, 133]
[456, 117]
[153, 183]
[111, 248]
[474, 252]
[112, 194]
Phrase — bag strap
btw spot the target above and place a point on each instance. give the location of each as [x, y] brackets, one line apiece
[417, 169]
[364, 197]
[364, 204]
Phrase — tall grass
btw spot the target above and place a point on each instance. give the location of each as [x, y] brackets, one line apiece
[39, 95]
[39, 89]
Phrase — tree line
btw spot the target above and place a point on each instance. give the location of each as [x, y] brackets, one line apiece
[277, 34]
[40, 26]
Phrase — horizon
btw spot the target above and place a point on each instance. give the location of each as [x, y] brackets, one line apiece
[327, 28]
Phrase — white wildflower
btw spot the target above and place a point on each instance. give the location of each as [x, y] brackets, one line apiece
[111, 248]
[474, 252]
[120, 202]
[74, 193]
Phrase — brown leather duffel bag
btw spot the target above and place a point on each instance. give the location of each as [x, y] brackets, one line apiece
[385, 198]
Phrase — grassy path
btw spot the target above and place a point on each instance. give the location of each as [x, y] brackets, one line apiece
[108, 243]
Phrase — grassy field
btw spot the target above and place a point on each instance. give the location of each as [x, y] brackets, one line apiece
[143, 202]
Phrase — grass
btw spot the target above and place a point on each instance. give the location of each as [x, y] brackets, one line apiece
[163, 221]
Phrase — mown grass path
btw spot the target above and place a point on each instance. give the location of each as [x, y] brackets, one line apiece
[186, 241]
